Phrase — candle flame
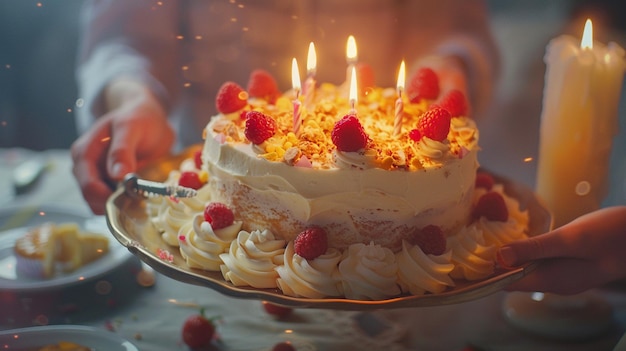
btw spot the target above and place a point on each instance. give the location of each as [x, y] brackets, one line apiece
[295, 75]
[351, 53]
[401, 77]
[353, 88]
[311, 61]
[587, 40]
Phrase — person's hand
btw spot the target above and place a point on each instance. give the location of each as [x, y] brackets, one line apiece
[585, 253]
[132, 133]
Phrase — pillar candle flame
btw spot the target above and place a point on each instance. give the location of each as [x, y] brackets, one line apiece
[399, 112]
[295, 81]
[587, 40]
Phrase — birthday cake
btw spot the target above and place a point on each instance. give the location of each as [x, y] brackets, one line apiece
[322, 196]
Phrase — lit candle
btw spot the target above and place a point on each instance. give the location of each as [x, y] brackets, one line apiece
[351, 56]
[297, 111]
[309, 83]
[578, 123]
[397, 125]
[353, 92]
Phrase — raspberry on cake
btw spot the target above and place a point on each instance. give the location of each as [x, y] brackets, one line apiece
[423, 85]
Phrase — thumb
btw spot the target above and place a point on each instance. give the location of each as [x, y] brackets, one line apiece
[122, 157]
[516, 253]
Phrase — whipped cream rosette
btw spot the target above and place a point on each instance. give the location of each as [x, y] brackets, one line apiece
[368, 272]
[471, 255]
[201, 246]
[252, 259]
[171, 216]
[501, 233]
[155, 203]
[173, 213]
[363, 159]
[512, 204]
[316, 278]
[498, 232]
[419, 273]
[433, 152]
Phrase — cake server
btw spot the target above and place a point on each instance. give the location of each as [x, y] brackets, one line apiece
[135, 185]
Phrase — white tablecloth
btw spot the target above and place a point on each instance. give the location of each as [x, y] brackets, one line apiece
[152, 317]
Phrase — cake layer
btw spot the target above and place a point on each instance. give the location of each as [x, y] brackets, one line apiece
[353, 205]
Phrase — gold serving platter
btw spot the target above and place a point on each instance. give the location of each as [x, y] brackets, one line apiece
[127, 218]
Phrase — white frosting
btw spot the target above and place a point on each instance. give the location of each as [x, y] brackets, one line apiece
[432, 149]
[362, 159]
[341, 200]
[252, 259]
[173, 213]
[369, 272]
[419, 273]
[473, 258]
[201, 246]
[317, 278]
[501, 233]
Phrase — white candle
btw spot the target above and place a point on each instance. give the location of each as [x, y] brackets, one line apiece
[297, 111]
[399, 112]
[578, 123]
[309, 83]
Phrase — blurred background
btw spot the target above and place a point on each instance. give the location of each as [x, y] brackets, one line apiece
[38, 45]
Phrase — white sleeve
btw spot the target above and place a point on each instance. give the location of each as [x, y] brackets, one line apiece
[130, 39]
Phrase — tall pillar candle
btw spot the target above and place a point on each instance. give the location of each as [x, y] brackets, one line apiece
[578, 123]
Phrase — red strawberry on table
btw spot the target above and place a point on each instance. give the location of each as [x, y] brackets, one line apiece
[259, 127]
[435, 124]
[430, 239]
[230, 98]
[283, 346]
[491, 206]
[263, 85]
[218, 215]
[198, 331]
[423, 85]
[348, 134]
[276, 310]
[311, 243]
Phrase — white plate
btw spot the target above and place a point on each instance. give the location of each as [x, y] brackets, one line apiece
[96, 339]
[14, 222]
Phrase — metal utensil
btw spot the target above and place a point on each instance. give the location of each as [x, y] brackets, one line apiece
[26, 175]
[134, 185]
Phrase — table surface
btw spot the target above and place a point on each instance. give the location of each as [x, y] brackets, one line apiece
[152, 317]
